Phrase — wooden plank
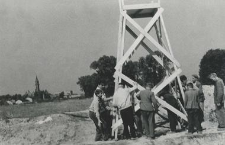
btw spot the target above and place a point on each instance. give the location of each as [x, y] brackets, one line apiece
[151, 39]
[182, 108]
[157, 88]
[119, 49]
[119, 55]
[120, 5]
[170, 49]
[171, 108]
[158, 59]
[167, 81]
[138, 40]
[166, 34]
[141, 6]
[125, 78]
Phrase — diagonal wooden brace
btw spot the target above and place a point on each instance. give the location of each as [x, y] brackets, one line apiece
[157, 58]
[151, 39]
[139, 38]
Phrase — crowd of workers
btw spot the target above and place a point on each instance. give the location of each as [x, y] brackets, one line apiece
[126, 98]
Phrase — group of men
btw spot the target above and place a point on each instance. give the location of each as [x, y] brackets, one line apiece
[144, 119]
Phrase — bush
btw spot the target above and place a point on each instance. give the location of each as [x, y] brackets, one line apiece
[212, 62]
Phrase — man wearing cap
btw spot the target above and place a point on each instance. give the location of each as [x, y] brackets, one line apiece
[191, 104]
[198, 86]
[219, 99]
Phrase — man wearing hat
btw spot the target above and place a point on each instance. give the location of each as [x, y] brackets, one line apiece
[191, 104]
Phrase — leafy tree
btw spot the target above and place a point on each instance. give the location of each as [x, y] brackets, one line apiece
[150, 70]
[130, 69]
[104, 68]
[212, 62]
[88, 84]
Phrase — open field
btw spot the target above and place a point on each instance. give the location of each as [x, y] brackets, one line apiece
[47, 108]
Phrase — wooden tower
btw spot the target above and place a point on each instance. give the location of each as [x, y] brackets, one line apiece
[152, 11]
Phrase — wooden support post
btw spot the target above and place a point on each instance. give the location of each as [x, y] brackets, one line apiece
[120, 49]
[170, 49]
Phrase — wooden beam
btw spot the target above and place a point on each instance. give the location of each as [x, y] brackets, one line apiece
[157, 58]
[170, 49]
[120, 5]
[151, 39]
[166, 34]
[159, 36]
[166, 81]
[141, 6]
[120, 49]
[139, 39]
[181, 106]
[130, 81]
[157, 88]
[171, 108]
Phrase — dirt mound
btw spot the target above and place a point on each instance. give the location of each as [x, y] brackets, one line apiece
[53, 129]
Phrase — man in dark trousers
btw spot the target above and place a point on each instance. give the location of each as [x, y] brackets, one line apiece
[148, 106]
[219, 100]
[191, 104]
[122, 101]
[198, 86]
[170, 99]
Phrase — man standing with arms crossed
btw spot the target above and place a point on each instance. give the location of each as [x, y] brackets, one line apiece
[219, 100]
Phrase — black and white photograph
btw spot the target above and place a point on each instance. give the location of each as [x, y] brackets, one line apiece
[112, 72]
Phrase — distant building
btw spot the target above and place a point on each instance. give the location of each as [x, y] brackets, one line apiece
[37, 85]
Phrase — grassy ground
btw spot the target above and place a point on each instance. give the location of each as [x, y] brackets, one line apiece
[47, 108]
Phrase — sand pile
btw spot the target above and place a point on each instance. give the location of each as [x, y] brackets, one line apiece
[54, 129]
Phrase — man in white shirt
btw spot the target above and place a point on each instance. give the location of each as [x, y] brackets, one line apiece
[122, 100]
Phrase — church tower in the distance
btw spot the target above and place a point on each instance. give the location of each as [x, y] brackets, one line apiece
[37, 85]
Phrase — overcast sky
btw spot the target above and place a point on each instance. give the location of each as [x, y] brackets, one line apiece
[58, 39]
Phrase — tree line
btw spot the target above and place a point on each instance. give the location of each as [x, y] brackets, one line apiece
[145, 70]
